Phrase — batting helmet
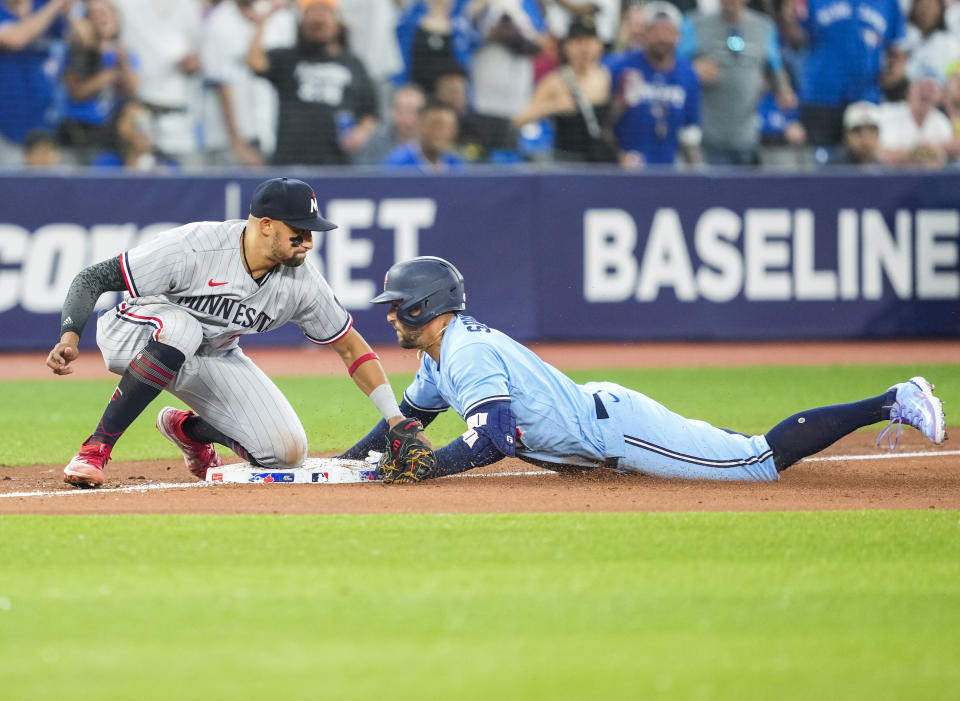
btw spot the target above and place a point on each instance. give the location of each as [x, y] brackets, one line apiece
[428, 284]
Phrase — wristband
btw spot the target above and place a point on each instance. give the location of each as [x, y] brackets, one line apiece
[360, 361]
[382, 398]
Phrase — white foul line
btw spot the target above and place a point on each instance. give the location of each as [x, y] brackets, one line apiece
[882, 456]
[528, 473]
[109, 490]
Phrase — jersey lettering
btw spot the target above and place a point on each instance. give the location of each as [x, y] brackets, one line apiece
[164, 275]
[230, 310]
[474, 326]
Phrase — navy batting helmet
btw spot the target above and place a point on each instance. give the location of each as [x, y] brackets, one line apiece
[428, 284]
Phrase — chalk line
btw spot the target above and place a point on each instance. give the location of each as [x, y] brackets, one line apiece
[108, 490]
[882, 456]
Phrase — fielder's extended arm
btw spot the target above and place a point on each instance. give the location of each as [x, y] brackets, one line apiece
[85, 290]
[364, 367]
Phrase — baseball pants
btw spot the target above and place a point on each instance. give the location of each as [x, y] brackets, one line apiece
[647, 437]
[224, 387]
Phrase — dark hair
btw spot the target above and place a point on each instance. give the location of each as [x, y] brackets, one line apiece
[447, 67]
[582, 25]
[38, 136]
[941, 24]
[434, 104]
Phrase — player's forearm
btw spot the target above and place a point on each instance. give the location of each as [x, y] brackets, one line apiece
[363, 366]
[84, 292]
[381, 395]
[457, 456]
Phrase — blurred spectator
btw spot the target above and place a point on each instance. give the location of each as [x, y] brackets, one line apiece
[951, 105]
[328, 106]
[239, 113]
[577, 96]
[433, 151]
[40, 150]
[952, 17]
[731, 51]
[560, 14]
[131, 146]
[101, 73]
[29, 35]
[407, 102]
[451, 88]
[915, 132]
[782, 136]
[853, 50]
[861, 136]
[656, 95]
[930, 47]
[501, 70]
[432, 34]
[373, 38]
[166, 36]
[630, 36]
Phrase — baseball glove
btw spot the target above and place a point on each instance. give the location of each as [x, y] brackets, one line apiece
[407, 459]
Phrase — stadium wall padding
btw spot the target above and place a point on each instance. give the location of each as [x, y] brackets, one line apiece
[548, 256]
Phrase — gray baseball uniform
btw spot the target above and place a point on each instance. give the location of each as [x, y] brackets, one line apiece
[188, 288]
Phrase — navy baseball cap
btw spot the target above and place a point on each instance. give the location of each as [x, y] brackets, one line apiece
[291, 201]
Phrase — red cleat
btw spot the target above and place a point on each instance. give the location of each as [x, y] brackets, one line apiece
[199, 457]
[86, 468]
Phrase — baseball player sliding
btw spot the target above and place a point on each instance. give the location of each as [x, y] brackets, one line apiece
[191, 293]
[515, 404]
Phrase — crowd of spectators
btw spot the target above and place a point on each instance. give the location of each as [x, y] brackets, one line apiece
[437, 85]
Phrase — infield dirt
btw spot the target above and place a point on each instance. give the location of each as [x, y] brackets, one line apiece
[928, 482]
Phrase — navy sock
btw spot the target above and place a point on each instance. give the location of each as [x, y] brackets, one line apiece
[199, 431]
[148, 374]
[811, 431]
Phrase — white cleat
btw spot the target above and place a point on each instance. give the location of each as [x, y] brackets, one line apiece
[915, 406]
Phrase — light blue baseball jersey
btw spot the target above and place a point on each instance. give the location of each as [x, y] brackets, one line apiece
[561, 422]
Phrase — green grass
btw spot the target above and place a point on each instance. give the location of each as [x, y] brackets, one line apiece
[849, 605]
[45, 421]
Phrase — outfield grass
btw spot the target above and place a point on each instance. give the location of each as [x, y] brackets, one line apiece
[849, 605]
[44, 422]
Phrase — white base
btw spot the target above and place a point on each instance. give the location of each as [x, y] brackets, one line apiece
[313, 471]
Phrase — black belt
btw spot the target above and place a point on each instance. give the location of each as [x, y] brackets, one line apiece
[601, 409]
[609, 463]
